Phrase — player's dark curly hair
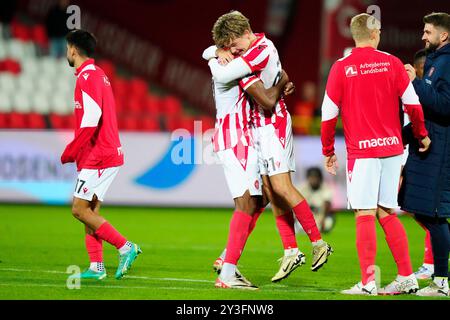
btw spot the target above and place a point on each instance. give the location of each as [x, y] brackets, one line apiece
[83, 40]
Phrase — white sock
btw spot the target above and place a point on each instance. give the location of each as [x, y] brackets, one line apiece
[125, 248]
[442, 282]
[97, 266]
[228, 271]
[317, 243]
[222, 255]
[290, 252]
[429, 266]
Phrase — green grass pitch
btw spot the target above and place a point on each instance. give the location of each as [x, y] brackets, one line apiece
[38, 243]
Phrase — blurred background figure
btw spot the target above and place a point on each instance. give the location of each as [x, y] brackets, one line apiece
[56, 24]
[304, 109]
[319, 197]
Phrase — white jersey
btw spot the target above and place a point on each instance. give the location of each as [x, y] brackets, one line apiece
[264, 62]
[232, 116]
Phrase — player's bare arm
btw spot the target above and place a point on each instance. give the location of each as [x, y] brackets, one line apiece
[268, 98]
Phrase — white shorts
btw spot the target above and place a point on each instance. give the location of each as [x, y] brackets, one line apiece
[241, 176]
[275, 148]
[94, 181]
[372, 182]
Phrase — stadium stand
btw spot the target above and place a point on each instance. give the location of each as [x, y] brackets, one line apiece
[36, 90]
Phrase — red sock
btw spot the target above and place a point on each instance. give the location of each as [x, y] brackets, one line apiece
[239, 231]
[366, 245]
[255, 218]
[398, 243]
[107, 232]
[428, 256]
[306, 218]
[285, 225]
[94, 248]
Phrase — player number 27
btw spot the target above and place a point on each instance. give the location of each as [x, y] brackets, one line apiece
[79, 185]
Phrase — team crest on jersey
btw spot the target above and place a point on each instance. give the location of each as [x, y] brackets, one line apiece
[78, 105]
[278, 163]
[430, 73]
[85, 76]
[256, 184]
[85, 189]
[351, 71]
[106, 81]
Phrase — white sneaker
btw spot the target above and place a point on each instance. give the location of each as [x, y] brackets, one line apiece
[434, 290]
[217, 265]
[370, 289]
[234, 283]
[401, 285]
[289, 264]
[320, 255]
[425, 272]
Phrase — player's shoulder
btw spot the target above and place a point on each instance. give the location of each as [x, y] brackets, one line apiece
[388, 56]
[90, 74]
[263, 45]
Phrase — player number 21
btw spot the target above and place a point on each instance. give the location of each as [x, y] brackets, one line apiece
[81, 184]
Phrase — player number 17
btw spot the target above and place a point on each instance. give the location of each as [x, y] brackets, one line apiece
[81, 184]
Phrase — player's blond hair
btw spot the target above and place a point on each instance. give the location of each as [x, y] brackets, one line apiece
[229, 26]
[362, 25]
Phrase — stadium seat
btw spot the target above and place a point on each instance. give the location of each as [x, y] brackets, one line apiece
[20, 31]
[5, 102]
[39, 35]
[207, 122]
[128, 123]
[150, 124]
[108, 68]
[40, 103]
[171, 105]
[18, 120]
[134, 105]
[36, 121]
[4, 120]
[21, 103]
[152, 105]
[138, 87]
[59, 121]
[12, 66]
[120, 88]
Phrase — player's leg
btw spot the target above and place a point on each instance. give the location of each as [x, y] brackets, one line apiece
[245, 207]
[277, 152]
[94, 247]
[440, 242]
[244, 183]
[395, 233]
[426, 270]
[363, 176]
[293, 257]
[97, 182]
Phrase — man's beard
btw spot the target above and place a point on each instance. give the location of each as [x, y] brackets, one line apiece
[71, 63]
[431, 47]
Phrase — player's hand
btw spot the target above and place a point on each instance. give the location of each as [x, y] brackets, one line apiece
[410, 71]
[331, 164]
[284, 75]
[289, 88]
[224, 56]
[425, 143]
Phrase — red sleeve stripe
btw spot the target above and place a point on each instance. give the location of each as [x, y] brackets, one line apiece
[327, 136]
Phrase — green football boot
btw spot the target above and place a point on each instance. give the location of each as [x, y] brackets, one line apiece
[89, 274]
[126, 260]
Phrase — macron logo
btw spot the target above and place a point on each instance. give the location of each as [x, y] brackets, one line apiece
[380, 142]
[351, 71]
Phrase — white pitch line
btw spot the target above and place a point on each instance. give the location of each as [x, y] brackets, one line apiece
[274, 287]
[96, 286]
[131, 277]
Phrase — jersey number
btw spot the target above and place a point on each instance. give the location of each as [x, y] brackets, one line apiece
[81, 184]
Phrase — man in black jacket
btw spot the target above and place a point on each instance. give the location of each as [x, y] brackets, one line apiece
[425, 190]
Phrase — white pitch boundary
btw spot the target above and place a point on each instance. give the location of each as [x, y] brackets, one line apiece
[271, 286]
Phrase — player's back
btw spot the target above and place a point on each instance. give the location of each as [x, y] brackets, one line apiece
[367, 85]
[264, 61]
[94, 90]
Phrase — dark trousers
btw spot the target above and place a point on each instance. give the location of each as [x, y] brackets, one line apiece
[440, 241]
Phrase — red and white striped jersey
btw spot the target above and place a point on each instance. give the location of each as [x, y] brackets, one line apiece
[232, 116]
[365, 88]
[264, 62]
[96, 144]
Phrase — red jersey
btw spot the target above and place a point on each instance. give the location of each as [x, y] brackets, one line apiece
[365, 88]
[96, 144]
[264, 62]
